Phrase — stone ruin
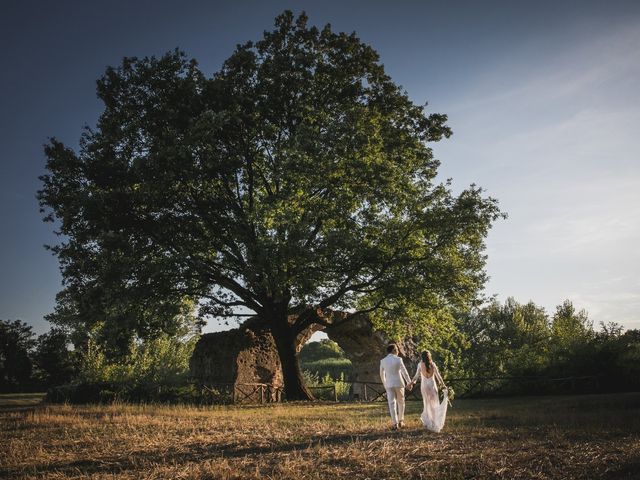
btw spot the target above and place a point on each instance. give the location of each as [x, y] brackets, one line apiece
[244, 355]
[247, 355]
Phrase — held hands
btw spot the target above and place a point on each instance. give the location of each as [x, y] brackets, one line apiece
[410, 385]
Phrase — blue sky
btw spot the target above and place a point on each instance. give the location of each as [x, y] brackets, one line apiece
[542, 96]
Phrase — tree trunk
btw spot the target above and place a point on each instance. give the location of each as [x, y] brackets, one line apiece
[294, 386]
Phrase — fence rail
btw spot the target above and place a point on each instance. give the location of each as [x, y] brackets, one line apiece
[243, 392]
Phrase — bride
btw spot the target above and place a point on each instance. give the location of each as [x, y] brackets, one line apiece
[434, 411]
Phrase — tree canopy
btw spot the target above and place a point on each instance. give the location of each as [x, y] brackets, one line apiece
[295, 180]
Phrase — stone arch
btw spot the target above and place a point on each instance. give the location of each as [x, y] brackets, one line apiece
[248, 354]
[365, 346]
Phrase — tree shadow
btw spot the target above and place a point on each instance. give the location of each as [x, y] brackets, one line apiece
[196, 452]
[628, 469]
[20, 402]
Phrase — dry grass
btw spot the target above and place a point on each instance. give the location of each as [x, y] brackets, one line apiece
[594, 436]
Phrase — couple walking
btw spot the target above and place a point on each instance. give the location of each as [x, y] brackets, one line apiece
[393, 374]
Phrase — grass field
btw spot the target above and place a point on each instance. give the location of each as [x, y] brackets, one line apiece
[591, 436]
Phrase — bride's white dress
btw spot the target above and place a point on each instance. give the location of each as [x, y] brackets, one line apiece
[434, 411]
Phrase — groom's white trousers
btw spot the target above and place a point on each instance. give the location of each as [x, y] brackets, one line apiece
[395, 397]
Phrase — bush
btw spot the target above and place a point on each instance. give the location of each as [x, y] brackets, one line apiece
[155, 370]
[162, 360]
[107, 392]
[83, 393]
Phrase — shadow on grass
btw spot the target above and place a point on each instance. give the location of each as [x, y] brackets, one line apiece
[114, 465]
[544, 419]
[17, 402]
[201, 453]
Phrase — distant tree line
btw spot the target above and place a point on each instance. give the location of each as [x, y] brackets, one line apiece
[82, 361]
[518, 348]
[32, 363]
[537, 351]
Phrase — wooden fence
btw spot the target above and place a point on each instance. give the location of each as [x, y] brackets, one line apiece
[240, 393]
[470, 386]
[243, 392]
[331, 388]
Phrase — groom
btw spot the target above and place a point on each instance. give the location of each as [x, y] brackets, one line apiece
[393, 374]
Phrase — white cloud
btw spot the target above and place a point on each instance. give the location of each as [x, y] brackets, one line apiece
[558, 145]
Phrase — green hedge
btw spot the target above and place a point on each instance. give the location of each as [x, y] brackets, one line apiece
[334, 367]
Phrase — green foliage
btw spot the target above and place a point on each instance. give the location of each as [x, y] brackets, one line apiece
[324, 364]
[615, 355]
[55, 362]
[295, 180]
[325, 358]
[163, 360]
[17, 341]
[110, 392]
[311, 379]
[342, 388]
[94, 366]
[509, 339]
[333, 367]
[324, 349]
[30, 363]
[572, 336]
[516, 340]
[154, 369]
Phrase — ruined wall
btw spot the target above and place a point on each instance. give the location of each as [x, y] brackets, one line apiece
[243, 355]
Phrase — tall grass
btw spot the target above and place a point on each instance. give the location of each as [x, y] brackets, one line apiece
[596, 436]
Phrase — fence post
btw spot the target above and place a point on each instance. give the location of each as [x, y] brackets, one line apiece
[261, 394]
[335, 393]
[366, 398]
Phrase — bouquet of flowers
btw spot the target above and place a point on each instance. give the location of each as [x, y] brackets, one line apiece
[450, 393]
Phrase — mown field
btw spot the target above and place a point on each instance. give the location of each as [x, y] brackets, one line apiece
[591, 436]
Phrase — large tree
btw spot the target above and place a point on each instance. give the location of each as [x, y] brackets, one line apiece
[296, 180]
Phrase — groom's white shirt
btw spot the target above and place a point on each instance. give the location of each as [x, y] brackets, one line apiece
[393, 373]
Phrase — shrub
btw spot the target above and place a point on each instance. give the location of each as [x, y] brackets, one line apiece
[162, 360]
[152, 370]
[108, 392]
